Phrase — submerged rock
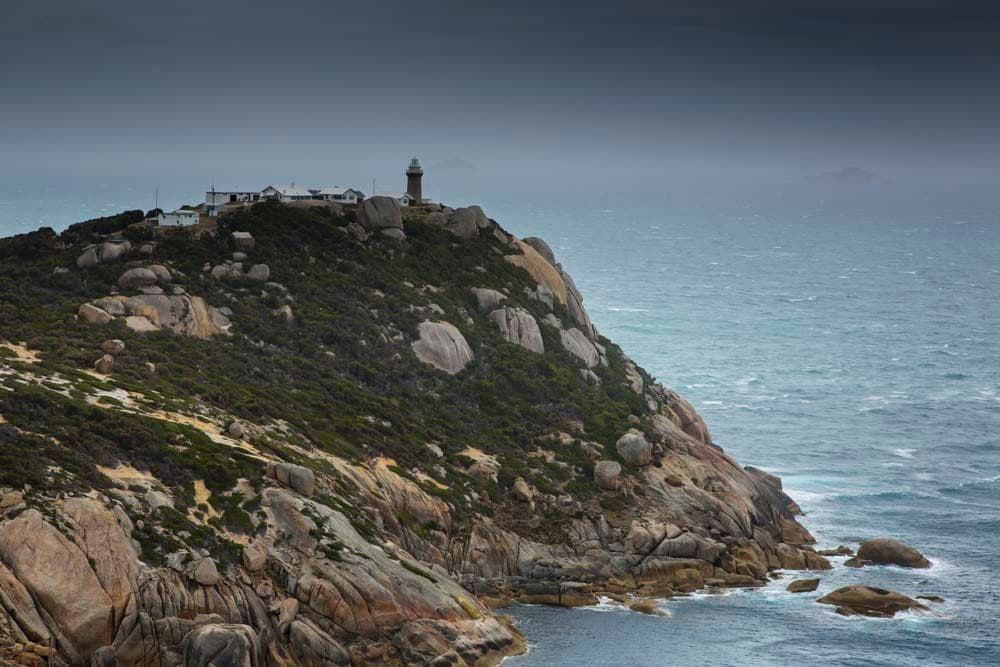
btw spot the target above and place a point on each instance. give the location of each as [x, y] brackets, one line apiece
[870, 601]
[648, 606]
[888, 551]
[803, 586]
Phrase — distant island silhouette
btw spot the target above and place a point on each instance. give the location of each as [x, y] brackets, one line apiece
[848, 176]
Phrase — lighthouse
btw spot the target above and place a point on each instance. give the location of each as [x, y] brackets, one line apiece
[414, 178]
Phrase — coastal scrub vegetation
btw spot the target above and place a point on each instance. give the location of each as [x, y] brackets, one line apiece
[340, 376]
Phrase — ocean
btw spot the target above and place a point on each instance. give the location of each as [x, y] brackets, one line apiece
[849, 345]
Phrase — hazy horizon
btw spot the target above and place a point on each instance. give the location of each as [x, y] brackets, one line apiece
[622, 97]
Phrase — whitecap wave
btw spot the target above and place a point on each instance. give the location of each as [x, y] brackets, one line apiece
[905, 453]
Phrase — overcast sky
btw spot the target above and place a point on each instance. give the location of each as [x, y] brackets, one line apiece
[245, 89]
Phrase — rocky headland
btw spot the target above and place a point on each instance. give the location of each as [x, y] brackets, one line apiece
[316, 436]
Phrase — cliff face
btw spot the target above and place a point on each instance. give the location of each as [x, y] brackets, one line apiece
[309, 438]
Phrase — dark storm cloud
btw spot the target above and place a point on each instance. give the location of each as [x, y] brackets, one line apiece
[742, 85]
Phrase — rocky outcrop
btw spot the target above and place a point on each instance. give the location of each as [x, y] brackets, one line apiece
[261, 545]
[541, 271]
[136, 278]
[58, 575]
[888, 551]
[219, 644]
[380, 212]
[181, 313]
[607, 475]
[803, 586]
[243, 240]
[519, 327]
[466, 222]
[870, 601]
[443, 346]
[487, 299]
[541, 247]
[93, 315]
[259, 273]
[296, 477]
[634, 449]
[538, 260]
[576, 343]
[107, 251]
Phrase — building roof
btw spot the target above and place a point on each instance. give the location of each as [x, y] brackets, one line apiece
[394, 195]
[335, 190]
[291, 190]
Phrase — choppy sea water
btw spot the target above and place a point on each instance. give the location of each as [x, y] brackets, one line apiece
[854, 352]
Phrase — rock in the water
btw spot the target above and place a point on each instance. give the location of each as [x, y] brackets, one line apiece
[113, 346]
[443, 346]
[839, 551]
[136, 278]
[803, 586]
[93, 315]
[887, 551]
[218, 645]
[296, 477]
[577, 344]
[870, 601]
[647, 606]
[488, 299]
[259, 272]
[380, 212]
[936, 599]
[105, 364]
[634, 449]
[607, 475]
[519, 327]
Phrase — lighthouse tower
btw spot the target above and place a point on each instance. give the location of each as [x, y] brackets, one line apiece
[414, 178]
